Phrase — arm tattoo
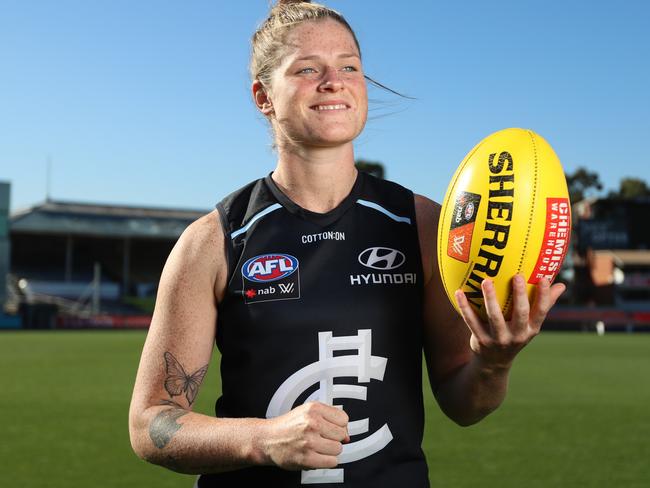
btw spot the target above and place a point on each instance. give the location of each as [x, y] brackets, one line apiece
[164, 426]
[178, 381]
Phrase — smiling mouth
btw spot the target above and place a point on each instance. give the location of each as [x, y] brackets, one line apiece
[324, 108]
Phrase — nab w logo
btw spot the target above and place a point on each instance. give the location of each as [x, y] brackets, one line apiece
[322, 372]
[286, 288]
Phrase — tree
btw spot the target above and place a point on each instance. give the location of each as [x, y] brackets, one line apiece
[631, 188]
[581, 182]
[375, 168]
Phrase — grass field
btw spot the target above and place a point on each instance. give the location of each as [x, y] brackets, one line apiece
[577, 415]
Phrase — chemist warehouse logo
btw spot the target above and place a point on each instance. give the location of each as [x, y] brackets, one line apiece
[270, 277]
[381, 260]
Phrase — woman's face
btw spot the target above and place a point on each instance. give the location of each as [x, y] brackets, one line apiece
[318, 93]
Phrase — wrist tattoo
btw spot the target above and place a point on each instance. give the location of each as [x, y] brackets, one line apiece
[164, 426]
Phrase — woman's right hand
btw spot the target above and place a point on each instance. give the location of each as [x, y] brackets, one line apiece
[310, 436]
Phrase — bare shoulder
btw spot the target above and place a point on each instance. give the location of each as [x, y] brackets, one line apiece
[200, 253]
[204, 232]
[426, 205]
[427, 213]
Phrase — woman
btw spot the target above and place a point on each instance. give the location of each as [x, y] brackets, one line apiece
[320, 285]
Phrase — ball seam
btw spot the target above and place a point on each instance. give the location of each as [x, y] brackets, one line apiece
[530, 218]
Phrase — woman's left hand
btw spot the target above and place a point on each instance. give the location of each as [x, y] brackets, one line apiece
[498, 341]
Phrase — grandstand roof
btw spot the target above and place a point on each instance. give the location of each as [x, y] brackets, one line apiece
[102, 220]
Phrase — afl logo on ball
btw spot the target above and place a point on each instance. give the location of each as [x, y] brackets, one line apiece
[469, 211]
[382, 258]
[269, 267]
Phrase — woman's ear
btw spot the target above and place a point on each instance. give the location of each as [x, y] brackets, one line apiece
[262, 98]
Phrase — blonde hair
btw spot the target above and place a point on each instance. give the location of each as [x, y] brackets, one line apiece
[269, 40]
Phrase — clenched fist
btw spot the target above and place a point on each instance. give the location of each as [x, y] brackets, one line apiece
[310, 436]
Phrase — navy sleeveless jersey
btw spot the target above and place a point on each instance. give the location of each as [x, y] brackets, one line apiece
[326, 307]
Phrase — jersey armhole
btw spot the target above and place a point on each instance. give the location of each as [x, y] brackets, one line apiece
[417, 234]
[230, 252]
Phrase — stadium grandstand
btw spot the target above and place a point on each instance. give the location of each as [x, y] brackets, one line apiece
[87, 263]
[75, 264]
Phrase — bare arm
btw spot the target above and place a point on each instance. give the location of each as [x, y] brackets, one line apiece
[469, 361]
[162, 427]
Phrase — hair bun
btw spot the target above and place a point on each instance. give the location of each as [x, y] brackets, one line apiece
[289, 2]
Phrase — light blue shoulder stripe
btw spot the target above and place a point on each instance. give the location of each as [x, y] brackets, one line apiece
[381, 209]
[255, 218]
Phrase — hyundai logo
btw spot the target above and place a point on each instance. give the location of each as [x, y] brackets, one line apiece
[383, 258]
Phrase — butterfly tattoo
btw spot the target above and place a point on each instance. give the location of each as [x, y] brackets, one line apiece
[179, 382]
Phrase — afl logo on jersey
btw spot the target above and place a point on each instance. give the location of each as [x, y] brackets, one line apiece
[270, 277]
[269, 267]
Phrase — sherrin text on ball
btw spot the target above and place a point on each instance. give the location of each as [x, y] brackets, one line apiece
[506, 212]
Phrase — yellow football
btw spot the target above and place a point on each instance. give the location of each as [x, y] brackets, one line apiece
[506, 212]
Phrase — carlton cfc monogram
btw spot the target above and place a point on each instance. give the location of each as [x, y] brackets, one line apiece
[365, 367]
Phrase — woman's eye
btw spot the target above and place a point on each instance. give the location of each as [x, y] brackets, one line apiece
[350, 69]
[307, 70]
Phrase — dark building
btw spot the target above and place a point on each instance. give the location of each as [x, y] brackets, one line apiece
[613, 223]
[609, 267]
[5, 320]
[58, 248]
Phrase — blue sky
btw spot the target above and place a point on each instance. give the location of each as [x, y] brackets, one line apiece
[146, 102]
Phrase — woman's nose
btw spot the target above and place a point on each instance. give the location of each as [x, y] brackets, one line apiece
[331, 80]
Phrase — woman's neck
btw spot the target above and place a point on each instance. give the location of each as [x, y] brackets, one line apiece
[317, 179]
